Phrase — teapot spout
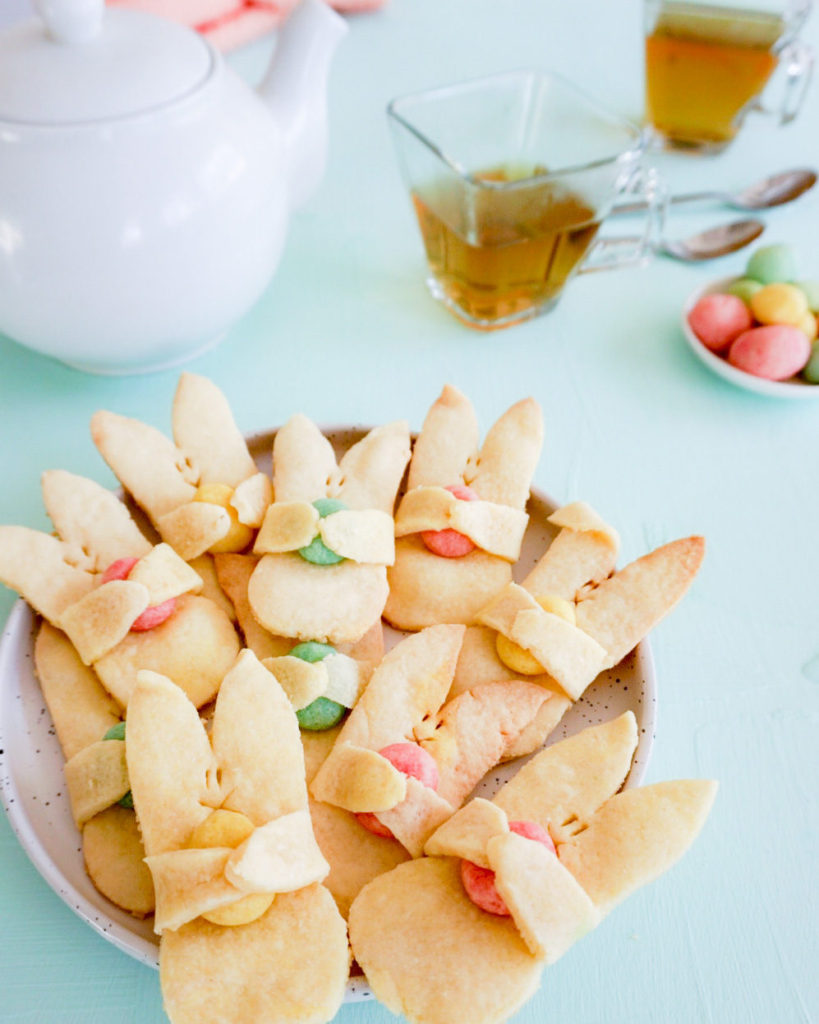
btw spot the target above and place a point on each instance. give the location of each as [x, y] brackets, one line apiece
[295, 91]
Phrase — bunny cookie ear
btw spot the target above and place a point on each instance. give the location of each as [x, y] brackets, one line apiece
[509, 456]
[205, 430]
[304, 464]
[91, 519]
[35, 565]
[372, 469]
[447, 444]
[147, 464]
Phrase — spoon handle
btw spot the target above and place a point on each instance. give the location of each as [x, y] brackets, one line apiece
[689, 197]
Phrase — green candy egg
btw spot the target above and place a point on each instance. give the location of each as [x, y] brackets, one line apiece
[744, 288]
[312, 650]
[811, 290]
[772, 264]
[317, 551]
[117, 732]
[810, 371]
[320, 715]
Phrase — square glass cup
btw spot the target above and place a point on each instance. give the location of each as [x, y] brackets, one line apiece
[510, 177]
[707, 65]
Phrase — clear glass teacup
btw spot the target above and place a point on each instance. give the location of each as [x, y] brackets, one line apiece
[511, 177]
[707, 65]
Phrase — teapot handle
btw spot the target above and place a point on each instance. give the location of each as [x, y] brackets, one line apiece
[71, 21]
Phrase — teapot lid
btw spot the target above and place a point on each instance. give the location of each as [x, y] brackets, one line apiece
[78, 63]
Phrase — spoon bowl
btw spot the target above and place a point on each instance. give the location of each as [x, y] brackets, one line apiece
[775, 190]
[715, 242]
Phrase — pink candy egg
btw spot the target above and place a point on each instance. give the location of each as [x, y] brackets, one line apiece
[718, 319]
[450, 543]
[479, 883]
[775, 352]
[151, 617]
[413, 761]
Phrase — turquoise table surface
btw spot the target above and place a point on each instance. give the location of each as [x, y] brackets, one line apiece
[635, 425]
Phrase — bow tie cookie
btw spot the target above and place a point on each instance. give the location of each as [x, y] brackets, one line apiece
[248, 933]
[460, 525]
[328, 537]
[406, 759]
[202, 491]
[123, 603]
[574, 616]
[461, 936]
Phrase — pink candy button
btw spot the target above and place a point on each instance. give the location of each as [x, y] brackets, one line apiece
[411, 760]
[151, 617]
[450, 543]
[479, 883]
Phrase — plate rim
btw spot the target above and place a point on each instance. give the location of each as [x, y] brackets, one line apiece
[792, 390]
[22, 618]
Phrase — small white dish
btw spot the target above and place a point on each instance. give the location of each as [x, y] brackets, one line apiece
[794, 388]
[32, 784]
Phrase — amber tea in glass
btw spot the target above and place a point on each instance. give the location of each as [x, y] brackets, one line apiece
[510, 177]
[706, 65]
[510, 251]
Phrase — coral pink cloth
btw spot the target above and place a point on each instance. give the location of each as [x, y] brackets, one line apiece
[231, 23]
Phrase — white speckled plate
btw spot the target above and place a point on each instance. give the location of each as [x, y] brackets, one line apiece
[793, 388]
[32, 787]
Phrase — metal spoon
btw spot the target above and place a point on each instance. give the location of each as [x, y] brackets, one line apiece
[707, 245]
[773, 191]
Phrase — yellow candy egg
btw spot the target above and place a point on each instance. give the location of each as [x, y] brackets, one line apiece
[229, 828]
[238, 536]
[517, 658]
[779, 304]
[810, 326]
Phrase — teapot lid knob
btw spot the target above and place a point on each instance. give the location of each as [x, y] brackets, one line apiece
[71, 21]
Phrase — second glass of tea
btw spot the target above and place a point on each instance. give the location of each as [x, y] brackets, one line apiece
[511, 177]
[707, 65]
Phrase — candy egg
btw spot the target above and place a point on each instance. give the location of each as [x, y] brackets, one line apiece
[811, 291]
[772, 263]
[717, 319]
[744, 288]
[811, 369]
[779, 304]
[809, 326]
[775, 352]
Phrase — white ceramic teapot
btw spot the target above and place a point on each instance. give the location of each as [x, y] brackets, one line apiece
[144, 187]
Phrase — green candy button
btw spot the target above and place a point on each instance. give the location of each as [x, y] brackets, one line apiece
[317, 551]
[312, 650]
[320, 715]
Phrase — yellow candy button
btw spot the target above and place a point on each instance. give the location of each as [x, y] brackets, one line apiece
[238, 536]
[229, 828]
[517, 658]
[779, 304]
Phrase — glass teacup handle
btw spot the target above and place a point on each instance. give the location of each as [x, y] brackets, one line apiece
[797, 59]
[650, 196]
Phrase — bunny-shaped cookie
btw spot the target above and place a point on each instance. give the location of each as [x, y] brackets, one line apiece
[247, 930]
[124, 603]
[328, 536]
[460, 525]
[559, 847]
[202, 491]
